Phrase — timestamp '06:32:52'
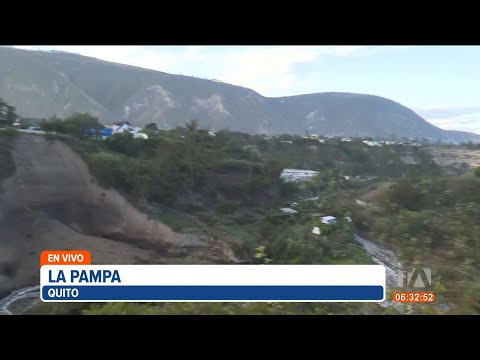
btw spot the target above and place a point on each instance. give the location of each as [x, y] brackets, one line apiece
[420, 297]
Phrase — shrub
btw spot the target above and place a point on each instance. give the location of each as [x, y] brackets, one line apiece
[477, 171]
[9, 133]
[244, 218]
[227, 208]
[110, 170]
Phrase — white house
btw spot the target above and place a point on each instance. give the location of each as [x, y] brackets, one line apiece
[371, 143]
[289, 211]
[316, 230]
[296, 175]
[121, 127]
[329, 220]
[140, 136]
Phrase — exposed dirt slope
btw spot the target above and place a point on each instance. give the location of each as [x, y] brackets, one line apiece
[52, 202]
[455, 157]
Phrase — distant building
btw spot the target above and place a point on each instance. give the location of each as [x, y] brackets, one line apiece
[296, 175]
[140, 136]
[106, 132]
[360, 202]
[289, 211]
[329, 220]
[122, 126]
[316, 230]
[371, 143]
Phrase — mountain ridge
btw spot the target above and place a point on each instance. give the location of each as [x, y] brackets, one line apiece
[46, 83]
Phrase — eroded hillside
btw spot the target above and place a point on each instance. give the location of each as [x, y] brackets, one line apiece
[52, 202]
[455, 159]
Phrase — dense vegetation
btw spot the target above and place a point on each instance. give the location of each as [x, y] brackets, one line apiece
[7, 166]
[188, 164]
[7, 113]
[75, 125]
[434, 223]
[7, 134]
[230, 182]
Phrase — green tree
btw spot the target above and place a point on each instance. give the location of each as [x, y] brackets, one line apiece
[405, 195]
[192, 126]
[124, 143]
[54, 124]
[191, 153]
[79, 123]
[7, 113]
[152, 126]
[477, 171]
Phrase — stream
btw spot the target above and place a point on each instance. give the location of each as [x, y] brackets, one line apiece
[393, 266]
[384, 257]
[21, 299]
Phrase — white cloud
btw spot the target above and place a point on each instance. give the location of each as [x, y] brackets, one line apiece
[270, 70]
[452, 117]
[466, 122]
[266, 70]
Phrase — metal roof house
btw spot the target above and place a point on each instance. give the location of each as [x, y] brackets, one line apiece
[329, 220]
[297, 175]
[289, 211]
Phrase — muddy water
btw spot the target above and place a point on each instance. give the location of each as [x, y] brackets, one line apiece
[28, 297]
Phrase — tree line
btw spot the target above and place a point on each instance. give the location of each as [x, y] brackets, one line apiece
[7, 113]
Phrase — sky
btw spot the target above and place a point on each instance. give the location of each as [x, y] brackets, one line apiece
[440, 83]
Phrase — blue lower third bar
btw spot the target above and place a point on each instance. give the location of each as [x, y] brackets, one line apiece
[213, 293]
